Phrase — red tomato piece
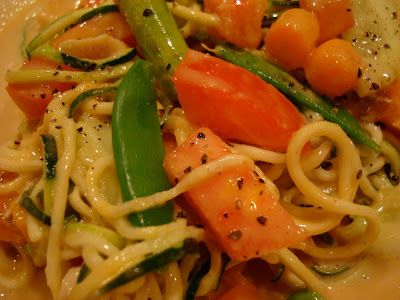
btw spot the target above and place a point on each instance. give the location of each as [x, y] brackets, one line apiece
[33, 97]
[240, 20]
[234, 103]
[235, 205]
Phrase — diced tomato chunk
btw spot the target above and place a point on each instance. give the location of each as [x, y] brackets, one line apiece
[234, 103]
[235, 205]
[240, 21]
[33, 97]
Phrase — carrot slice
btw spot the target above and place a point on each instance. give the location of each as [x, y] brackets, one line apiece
[234, 205]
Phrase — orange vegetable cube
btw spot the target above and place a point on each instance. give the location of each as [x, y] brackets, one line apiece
[292, 37]
[334, 16]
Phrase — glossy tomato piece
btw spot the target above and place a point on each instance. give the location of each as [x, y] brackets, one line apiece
[234, 205]
[234, 103]
[240, 20]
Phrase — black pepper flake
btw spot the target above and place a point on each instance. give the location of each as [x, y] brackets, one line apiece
[168, 67]
[359, 73]
[375, 86]
[261, 192]
[41, 159]
[55, 73]
[359, 174]
[261, 180]
[42, 95]
[225, 215]
[390, 174]
[262, 220]
[326, 165]
[187, 170]
[176, 180]
[387, 46]
[147, 12]
[235, 235]
[59, 68]
[80, 129]
[17, 143]
[204, 159]
[58, 127]
[240, 183]
[182, 214]
[201, 135]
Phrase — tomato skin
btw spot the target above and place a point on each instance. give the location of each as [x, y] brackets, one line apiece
[235, 206]
[33, 97]
[234, 103]
[240, 21]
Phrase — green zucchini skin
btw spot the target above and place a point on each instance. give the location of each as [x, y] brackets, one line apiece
[65, 22]
[50, 156]
[50, 161]
[159, 38]
[152, 263]
[296, 92]
[38, 214]
[326, 271]
[88, 94]
[138, 146]
[84, 64]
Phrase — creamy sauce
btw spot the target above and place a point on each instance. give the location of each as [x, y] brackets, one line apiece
[375, 275]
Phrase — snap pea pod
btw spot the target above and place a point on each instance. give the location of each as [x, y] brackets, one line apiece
[296, 92]
[137, 143]
[158, 37]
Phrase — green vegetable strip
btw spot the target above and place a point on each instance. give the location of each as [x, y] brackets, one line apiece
[31, 207]
[50, 159]
[47, 50]
[138, 146]
[65, 21]
[106, 75]
[296, 92]
[159, 38]
[88, 94]
[195, 282]
[151, 264]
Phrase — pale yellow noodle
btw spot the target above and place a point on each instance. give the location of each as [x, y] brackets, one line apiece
[64, 166]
